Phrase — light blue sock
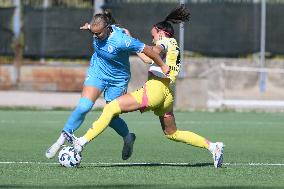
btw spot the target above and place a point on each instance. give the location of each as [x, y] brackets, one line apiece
[78, 115]
[119, 126]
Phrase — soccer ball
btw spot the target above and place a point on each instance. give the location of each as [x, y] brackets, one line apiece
[68, 157]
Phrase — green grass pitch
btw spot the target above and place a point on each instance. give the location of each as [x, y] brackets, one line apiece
[254, 152]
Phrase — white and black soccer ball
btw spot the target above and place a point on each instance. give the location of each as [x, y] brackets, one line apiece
[68, 157]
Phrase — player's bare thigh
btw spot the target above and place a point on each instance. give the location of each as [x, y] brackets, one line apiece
[127, 103]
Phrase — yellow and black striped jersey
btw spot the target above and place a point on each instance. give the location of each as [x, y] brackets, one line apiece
[171, 57]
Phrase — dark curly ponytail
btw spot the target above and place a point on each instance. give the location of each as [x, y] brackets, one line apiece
[176, 16]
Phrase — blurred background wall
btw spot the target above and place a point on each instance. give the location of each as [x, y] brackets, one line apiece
[42, 48]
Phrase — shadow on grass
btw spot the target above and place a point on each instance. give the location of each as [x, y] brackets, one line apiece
[138, 186]
[148, 165]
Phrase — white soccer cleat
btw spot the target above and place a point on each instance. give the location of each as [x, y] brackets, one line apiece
[128, 146]
[218, 154]
[51, 152]
[76, 142]
[54, 148]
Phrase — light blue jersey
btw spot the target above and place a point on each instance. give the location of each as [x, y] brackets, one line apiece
[110, 61]
[109, 68]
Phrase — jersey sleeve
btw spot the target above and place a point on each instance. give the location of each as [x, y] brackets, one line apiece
[163, 44]
[132, 45]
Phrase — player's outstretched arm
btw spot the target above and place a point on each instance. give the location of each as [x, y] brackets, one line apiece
[145, 58]
[148, 51]
[86, 26]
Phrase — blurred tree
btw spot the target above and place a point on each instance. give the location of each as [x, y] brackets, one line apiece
[57, 3]
[6, 3]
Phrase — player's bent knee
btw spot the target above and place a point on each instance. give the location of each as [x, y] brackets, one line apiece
[113, 108]
[169, 114]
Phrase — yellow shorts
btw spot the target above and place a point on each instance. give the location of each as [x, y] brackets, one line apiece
[155, 95]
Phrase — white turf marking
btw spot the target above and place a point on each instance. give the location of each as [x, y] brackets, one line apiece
[143, 164]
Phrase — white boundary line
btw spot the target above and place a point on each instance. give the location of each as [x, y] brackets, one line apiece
[144, 164]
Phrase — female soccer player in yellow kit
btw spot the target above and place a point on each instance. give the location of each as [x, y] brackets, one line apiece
[156, 94]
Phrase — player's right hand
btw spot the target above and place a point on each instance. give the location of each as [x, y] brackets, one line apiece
[85, 27]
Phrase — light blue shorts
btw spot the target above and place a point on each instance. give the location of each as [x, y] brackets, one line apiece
[110, 90]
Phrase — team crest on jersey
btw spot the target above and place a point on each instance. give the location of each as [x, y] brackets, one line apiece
[127, 42]
[110, 49]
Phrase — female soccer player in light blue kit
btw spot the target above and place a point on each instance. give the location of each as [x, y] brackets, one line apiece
[109, 73]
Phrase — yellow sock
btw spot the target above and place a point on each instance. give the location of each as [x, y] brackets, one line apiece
[189, 138]
[110, 110]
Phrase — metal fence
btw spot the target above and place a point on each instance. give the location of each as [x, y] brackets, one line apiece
[226, 28]
[6, 33]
